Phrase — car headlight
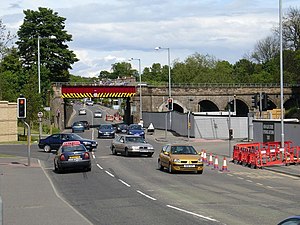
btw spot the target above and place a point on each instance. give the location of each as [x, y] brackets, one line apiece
[199, 160]
[130, 132]
[86, 143]
[100, 132]
[150, 147]
[176, 160]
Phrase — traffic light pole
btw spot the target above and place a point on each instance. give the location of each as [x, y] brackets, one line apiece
[28, 141]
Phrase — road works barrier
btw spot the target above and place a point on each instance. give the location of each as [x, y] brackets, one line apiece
[109, 117]
[258, 155]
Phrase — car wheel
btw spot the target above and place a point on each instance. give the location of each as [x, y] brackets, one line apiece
[160, 167]
[55, 167]
[47, 148]
[113, 150]
[170, 168]
[126, 152]
[200, 171]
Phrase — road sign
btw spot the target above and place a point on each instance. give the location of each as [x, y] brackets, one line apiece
[40, 114]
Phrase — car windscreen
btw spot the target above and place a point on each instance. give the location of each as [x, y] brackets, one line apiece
[187, 150]
[74, 137]
[135, 139]
[135, 127]
[106, 127]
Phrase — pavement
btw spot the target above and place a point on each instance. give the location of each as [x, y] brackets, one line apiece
[27, 195]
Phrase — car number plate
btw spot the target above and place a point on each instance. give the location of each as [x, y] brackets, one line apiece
[189, 165]
[143, 150]
[93, 145]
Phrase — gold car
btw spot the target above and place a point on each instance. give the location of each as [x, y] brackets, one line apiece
[180, 157]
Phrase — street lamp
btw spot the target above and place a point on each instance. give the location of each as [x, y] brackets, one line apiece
[158, 48]
[140, 76]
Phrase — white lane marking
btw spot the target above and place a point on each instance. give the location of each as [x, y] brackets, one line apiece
[229, 175]
[259, 184]
[123, 182]
[194, 214]
[60, 197]
[94, 157]
[241, 178]
[269, 187]
[100, 167]
[249, 181]
[110, 174]
[146, 195]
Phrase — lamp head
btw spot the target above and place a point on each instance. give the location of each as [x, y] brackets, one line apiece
[157, 48]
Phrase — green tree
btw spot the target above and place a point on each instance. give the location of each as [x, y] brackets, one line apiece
[122, 69]
[55, 55]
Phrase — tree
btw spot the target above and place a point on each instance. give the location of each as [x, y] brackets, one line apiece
[291, 29]
[48, 27]
[266, 49]
[121, 69]
[5, 38]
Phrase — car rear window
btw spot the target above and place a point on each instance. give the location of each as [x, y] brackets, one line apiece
[78, 148]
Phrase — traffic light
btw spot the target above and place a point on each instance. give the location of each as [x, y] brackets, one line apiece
[170, 104]
[230, 134]
[254, 101]
[265, 100]
[21, 104]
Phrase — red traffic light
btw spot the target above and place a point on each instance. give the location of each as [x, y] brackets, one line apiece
[21, 104]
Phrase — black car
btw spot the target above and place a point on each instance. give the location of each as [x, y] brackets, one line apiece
[85, 124]
[121, 128]
[72, 155]
[54, 141]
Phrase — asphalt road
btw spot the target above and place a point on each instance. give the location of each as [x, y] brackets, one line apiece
[131, 190]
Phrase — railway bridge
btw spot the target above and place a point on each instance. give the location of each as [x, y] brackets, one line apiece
[186, 97]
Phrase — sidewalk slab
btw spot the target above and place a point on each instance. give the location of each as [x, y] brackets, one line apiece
[29, 198]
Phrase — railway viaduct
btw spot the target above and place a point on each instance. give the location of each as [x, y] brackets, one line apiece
[193, 98]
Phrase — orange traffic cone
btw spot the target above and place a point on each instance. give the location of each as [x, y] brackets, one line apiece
[216, 164]
[210, 161]
[224, 166]
[204, 159]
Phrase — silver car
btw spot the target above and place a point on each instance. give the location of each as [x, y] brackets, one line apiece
[131, 145]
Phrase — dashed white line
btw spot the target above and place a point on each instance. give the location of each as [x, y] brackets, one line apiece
[194, 214]
[110, 174]
[269, 187]
[146, 195]
[229, 175]
[249, 181]
[259, 184]
[123, 182]
[100, 167]
[241, 178]
[94, 157]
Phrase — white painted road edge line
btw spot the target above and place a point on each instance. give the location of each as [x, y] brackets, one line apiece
[110, 174]
[194, 214]
[123, 182]
[60, 197]
[146, 195]
[99, 167]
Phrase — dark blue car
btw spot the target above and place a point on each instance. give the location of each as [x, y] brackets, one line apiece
[106, 131]
[136, 129]
[54, 141]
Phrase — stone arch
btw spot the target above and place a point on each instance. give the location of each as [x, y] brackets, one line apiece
[242, 109]
[291, 103]
[207, 106]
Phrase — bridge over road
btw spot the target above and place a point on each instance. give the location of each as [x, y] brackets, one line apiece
[186, 97]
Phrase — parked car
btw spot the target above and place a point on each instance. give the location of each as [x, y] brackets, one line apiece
[136, 129]
[72, 155]
[130, 144]
[82, 111]
[54, 141]
[180, 157]
[121, 128]
[86, 124]
[97, 114]
[292, 220]
[106, 131]
[78, 126]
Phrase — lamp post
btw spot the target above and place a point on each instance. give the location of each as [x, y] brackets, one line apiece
[281, 74]
[140, 81]
[168, 49]
[158, 48]
[39, 64]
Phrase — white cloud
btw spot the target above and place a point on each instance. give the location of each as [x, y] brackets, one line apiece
[105, 32]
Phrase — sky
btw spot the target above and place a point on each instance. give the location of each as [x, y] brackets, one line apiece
[105, 32]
